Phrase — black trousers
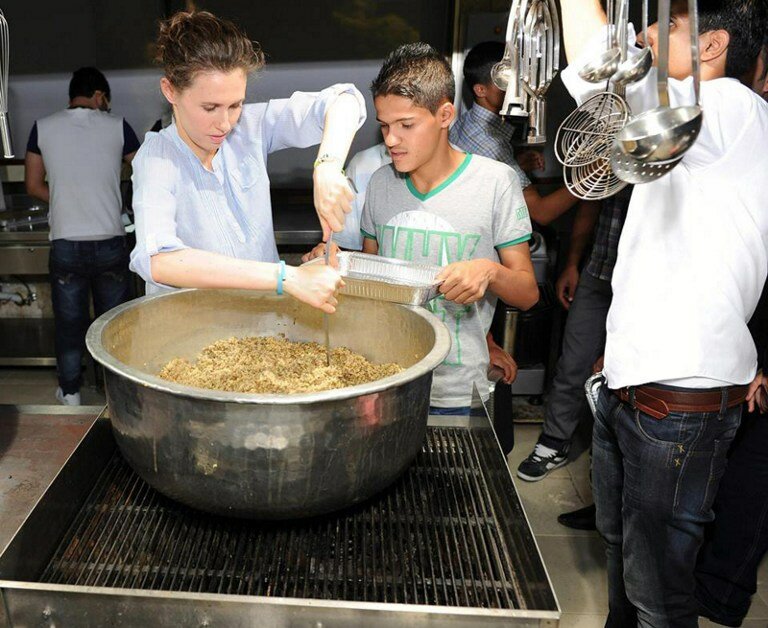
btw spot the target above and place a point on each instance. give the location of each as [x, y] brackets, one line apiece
[736, 541]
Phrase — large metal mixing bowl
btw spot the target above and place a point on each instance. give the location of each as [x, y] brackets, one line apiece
[256, 455]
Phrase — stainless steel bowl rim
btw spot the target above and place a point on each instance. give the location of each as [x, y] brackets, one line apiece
[629, 133]
[428, 363]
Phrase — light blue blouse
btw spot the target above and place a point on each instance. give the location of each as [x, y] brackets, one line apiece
[179, 204]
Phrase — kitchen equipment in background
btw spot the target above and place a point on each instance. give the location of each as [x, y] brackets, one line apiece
[530, 63]
[387, 279]
[666, 133]
[448, 544]
[526, 336]
[265, 456]
[5, 129]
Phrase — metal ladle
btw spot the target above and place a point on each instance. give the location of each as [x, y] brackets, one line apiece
[633, 69]
[665, 133]
[605, 66]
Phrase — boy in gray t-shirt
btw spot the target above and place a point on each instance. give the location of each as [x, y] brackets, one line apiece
[439, 205]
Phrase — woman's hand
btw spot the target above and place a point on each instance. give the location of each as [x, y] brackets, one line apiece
[319, 251]
[333, 196]
[315, 285]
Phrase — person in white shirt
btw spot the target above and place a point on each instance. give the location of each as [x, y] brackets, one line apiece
[201, 190]
[692, 261]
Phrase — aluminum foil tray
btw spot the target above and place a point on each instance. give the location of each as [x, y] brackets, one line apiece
[387, 279]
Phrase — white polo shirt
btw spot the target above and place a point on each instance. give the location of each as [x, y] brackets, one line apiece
[693, 254]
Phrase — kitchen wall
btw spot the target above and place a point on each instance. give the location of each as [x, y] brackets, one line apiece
[136, 96]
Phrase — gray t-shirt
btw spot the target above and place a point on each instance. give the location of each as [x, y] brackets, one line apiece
[478, 209]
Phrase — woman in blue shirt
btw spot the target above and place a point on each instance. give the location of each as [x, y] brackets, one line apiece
[201, 190]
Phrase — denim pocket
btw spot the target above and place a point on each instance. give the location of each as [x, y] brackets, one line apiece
[677, 429]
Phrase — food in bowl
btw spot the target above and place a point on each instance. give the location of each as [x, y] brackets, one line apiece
[268, 364]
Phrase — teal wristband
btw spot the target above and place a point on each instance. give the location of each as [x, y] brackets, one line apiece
[280, 277]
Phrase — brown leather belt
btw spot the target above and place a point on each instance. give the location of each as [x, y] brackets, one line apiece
[659, 402]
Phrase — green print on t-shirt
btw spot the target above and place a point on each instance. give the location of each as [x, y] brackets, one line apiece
[414, 244]
[437, 307]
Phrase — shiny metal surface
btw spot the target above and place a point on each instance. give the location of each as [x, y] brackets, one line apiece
[265, 456]
[665, 133]
[28, 601]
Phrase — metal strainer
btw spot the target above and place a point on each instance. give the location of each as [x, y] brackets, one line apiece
[587, 133]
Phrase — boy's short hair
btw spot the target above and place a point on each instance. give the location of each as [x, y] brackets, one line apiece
[745, 21]
[480, 60]
[417, 72]
[86, 81]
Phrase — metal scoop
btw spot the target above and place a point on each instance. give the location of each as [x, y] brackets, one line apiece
[666, 133]
[605, 66]
[634, 69]
[325, 316]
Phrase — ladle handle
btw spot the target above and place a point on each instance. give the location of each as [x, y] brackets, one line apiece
[693, 20]
[663, 74]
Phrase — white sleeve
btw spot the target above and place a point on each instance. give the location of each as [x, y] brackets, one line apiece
[298, 121]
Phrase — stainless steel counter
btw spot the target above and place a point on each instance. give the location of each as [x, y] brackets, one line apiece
[35, 442]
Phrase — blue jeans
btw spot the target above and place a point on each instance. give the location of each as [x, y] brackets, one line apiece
[78, 269]
[736, 541]
[654, 481]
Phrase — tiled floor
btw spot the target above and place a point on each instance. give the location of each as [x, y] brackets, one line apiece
[574, 559]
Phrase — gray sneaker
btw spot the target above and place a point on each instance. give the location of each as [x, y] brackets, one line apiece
[541, 461]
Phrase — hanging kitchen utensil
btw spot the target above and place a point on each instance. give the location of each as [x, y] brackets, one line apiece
[587, 133]
[540, 63]
[636, 68]
[636, 171]
[506, 73]
[666, 133]
[605, 66]
[597, 180]
[5, 130]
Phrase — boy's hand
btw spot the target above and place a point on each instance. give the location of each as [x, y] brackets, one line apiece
[466, 282]
[530, 160]
[502, 360]
[757, 395]
[333, 197]
[319, 251]
[566, 285]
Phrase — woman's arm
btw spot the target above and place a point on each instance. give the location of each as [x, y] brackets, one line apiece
[194, 268]
[332, 193]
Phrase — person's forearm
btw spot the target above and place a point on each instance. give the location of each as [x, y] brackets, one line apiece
[581, 20]
[341, 121]
[545, 209]
[517, 288]
[583, 226]
[194, 268]
[40, 191]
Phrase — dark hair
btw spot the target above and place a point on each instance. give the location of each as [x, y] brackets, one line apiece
[480, 60]
[201, 42]
[745, 21]
[417, 72]
[86, 81]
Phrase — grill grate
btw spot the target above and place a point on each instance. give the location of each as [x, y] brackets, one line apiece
[441, 535]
